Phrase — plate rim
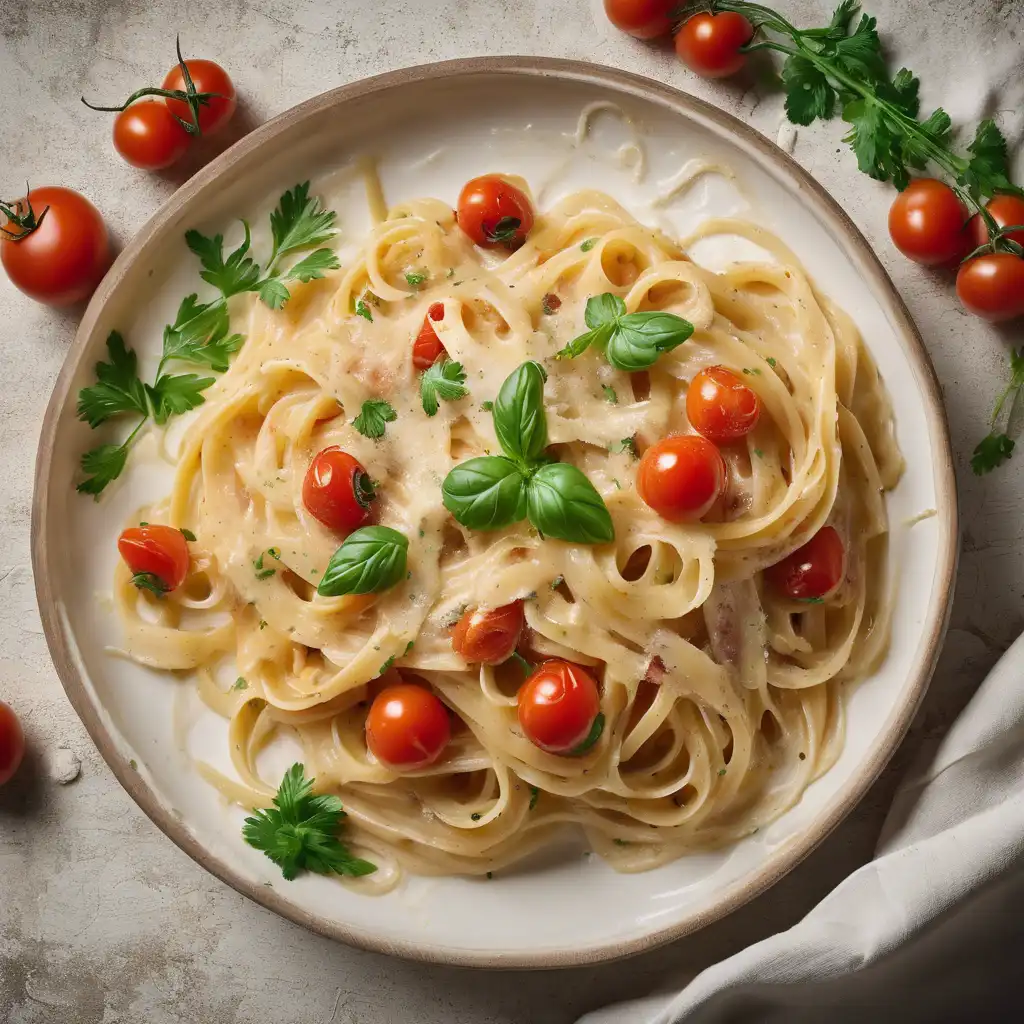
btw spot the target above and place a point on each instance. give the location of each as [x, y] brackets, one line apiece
[855, 248]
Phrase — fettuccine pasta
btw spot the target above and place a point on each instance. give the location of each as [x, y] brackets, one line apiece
[721, 695]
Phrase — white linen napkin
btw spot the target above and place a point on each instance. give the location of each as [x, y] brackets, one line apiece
[931, 930]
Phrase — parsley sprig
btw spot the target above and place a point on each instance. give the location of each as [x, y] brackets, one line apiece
[201, 333]
[997, 446]
[300, 832]
[444, 380]
[833, 68]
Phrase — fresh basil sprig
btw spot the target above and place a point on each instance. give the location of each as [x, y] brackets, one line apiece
[370, 560]
[494, 491]
[631, 341]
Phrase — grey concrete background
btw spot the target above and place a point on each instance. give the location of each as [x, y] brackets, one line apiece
[102, 919]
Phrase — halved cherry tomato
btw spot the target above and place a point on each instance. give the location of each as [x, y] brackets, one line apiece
[720, 406]
[992, 286]
[812, 571]
[710, 43]
[427, 348]
[62, 260]
[926, 222]
[407, 727]
[644, 19]
[493, 212]
[12, 743]
[207, 76]
[1006, 211]
[337, 491]
[681, 477]
[489, 635]
[557, 706]
[147, 136]
[156, 551]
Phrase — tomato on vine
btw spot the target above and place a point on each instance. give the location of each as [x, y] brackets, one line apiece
[1007, 212]
[642, 19]
[54, 245]
[712, 44]
[197, 98]
[991, 286]
[926, 222]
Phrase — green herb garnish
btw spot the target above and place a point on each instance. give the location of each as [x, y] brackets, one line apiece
[630, 341]
[373, 416]
[445, 380]
[491, 492]
[300, 832]
[372, 559]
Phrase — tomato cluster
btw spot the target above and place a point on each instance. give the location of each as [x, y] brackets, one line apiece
[929, 225]
[155, 127]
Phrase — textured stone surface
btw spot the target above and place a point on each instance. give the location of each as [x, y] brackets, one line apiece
[102, 919]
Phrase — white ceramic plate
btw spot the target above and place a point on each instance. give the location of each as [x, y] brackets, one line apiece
[431, 129]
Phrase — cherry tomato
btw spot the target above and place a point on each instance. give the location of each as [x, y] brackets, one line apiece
[681, 477]
[147, 136]
[489, 635]
[1006, 211]
[12, 743]
[493, 212]
[427, 348]
[63, 259]
[926, 222]
[710, 43]
[337, 490]
[644, 19]
[207, 77]
[557, 706]
[720, 406]
[156, 550]
[992, 286]
[812, 571]
[407, 727]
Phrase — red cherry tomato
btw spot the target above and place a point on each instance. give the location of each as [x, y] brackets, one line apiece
[63, 259]
[681, 477]
[337, 490]
[710, 43]
[493, 212]
[427, 348]
[992, 286]
[926, 222]
[489, 635]
[12, 743]
[207, 77]
[1006, 211]
[407, 727]
[812, 571]
[644, 19]
[147, 136]
[720, 406]
[557, 706]
[156, 550]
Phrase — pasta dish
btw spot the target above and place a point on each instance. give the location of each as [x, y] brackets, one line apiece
[521, 520]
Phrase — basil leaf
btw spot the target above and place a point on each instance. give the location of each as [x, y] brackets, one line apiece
[599, 336]
[485, 493]
[519, 419]
[370, 560]
[603, 309]
[561, 502]
[639, 338]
